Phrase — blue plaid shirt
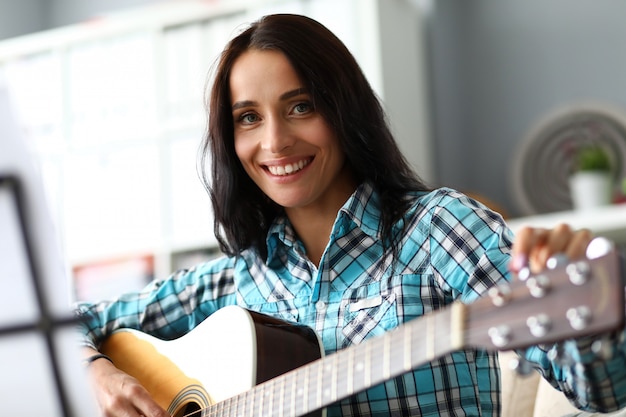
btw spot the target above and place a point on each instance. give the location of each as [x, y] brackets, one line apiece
[451, 248]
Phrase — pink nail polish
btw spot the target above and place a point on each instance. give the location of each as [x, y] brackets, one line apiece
[519, 261]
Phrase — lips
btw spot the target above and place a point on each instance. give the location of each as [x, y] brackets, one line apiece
[288, 169]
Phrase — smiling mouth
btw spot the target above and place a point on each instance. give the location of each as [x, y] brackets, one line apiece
[288, 169]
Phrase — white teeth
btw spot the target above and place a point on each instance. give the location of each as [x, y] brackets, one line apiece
[288, 169]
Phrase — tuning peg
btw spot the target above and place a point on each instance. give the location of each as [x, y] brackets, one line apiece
[523, 274]
[599, 247]
[578, 272]
[500, 335]
[603, 348]
[538, 285]
[556, 261]
[560, 357]
[521, 366]
[579, 317]
[500, 294]
[539, 325]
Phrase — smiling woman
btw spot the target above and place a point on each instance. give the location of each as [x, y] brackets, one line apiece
[323, 223]
[292, 100]
[286, 146]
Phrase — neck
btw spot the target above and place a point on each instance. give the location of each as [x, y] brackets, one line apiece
[313, 224]
[314, 232]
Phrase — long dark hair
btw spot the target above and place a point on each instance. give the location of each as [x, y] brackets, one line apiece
[340, 93]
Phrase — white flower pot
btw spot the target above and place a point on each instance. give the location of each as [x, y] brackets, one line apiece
[590, 189]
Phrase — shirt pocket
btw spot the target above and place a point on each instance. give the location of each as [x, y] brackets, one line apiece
[367, 312]
[371, 310]
[417, 295]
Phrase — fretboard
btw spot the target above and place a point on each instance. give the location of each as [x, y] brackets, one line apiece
[351, 370]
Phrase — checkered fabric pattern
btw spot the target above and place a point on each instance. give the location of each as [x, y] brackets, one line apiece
[451, 248]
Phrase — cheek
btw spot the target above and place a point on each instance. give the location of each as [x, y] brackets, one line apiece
[331, 142]
[242, 149]
[245, 153]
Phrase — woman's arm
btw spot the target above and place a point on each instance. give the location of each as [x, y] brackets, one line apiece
[165, 309]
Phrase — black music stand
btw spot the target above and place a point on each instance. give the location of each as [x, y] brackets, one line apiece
[39, 354]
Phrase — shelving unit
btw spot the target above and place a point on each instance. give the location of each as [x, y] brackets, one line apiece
[608, 221]
[114, 112]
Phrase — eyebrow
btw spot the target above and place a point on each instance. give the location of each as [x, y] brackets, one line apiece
[285, 96]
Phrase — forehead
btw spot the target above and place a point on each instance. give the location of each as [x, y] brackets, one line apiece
[257, 71]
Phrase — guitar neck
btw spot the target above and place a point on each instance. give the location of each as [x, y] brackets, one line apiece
[351, 370]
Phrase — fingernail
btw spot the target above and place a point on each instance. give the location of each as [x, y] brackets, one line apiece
[519, 261]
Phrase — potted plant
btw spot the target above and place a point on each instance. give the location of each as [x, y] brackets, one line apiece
[591, 181]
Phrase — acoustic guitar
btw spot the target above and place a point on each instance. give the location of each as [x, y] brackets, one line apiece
[242, 363]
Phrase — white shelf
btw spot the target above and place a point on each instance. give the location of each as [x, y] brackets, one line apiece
[608, 221]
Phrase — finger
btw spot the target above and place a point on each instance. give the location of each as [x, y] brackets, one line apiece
[557, 241]
[562, 240]
[146, 406]
[129, 399]
[535, 246]
[527, 238]
[559, 238]
[577, 246]
[153, 410]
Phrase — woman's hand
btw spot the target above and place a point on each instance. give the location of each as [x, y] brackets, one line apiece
[119, 394]
[534, 246]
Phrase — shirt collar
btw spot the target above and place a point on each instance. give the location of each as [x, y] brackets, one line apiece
[361, 210]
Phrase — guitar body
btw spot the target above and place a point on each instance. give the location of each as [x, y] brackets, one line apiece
[227, 354]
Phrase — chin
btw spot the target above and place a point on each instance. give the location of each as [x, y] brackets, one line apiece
[289, 201]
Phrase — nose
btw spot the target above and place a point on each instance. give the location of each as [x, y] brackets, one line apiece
[277, 135]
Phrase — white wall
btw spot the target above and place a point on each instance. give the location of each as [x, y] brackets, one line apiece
[499, 66]
[19, 17]
[65, 12]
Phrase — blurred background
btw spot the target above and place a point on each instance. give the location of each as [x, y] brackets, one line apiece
[491, 97]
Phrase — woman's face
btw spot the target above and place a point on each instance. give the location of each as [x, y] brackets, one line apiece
[284, 144]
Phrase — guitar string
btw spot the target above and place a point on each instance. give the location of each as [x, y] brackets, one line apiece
[226, 407]
[215, 410]
[417, 342]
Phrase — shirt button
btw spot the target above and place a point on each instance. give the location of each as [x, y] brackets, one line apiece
[320, 305]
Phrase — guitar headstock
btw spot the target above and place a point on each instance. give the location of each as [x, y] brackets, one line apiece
[569, 299]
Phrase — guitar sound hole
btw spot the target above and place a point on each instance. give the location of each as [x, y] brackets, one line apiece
[190, 410]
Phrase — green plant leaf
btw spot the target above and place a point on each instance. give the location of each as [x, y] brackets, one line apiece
[592, 158]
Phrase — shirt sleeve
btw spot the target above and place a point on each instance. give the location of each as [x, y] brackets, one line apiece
[165, 309]
[469, 245]
[591, 379]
